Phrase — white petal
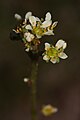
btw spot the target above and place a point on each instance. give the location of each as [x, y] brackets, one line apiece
[45, 57]
[32, 20]
[27, 49]
[47, 46]
[25, 34]
[37, 19]
[60, 44]
[53, 61]
[17, 16]
[46, 24]
[30, 38]
[28, 27]
[28, 14]
[63, 55]
[64, 46]
[49, 32]
[15, 31]
[54, 24]
[48, 16]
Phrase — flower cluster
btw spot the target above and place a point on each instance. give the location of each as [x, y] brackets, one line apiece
[34, 28]
[53, 53]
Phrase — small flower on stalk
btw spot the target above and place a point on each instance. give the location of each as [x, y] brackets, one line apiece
[54, 53]
[48, 110]
[40, 28]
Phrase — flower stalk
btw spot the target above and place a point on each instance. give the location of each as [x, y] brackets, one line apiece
[34, 72]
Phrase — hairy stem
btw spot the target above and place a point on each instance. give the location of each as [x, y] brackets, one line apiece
[34, 72]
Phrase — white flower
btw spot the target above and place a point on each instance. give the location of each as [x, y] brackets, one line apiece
[34, 27]
[29, 37]
[40, 28]
[17, 16]
[54, 53]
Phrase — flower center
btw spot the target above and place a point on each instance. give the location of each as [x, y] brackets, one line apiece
[39, 31]
[52, 52]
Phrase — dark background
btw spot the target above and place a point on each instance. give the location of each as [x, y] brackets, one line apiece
[57, 84]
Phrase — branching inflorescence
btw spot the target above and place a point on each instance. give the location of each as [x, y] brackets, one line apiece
[30, 31]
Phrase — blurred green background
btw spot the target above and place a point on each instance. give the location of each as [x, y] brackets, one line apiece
[57, 84]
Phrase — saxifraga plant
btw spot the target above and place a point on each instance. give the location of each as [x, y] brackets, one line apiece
[30, 30]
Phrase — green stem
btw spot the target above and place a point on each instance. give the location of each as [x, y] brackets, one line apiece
[34, 71]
